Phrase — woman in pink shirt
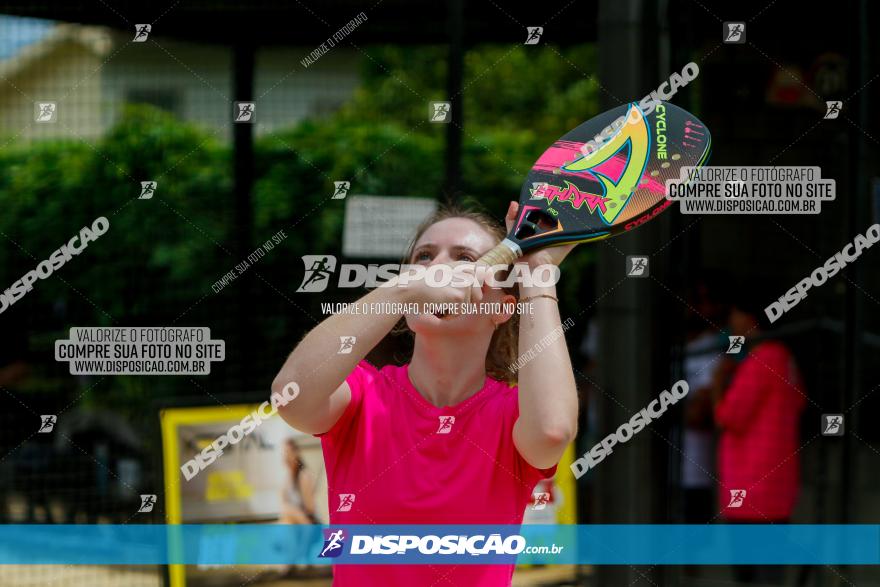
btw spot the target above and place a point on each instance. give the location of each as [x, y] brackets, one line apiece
[447, 438]
[758, 414]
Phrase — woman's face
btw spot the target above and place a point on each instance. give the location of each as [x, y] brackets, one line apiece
[451, 241]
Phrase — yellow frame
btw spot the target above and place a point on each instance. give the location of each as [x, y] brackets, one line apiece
[172, 418]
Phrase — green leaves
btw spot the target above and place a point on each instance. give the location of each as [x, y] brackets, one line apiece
[161, 256]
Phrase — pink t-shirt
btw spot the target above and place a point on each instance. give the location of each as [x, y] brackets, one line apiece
[760, 439]
[407, 462]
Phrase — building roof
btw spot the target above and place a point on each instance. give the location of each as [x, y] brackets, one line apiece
[41, 38]
[282, 22]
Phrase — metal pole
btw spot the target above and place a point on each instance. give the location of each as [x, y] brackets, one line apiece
[243, 160]
[627, 483]
[853, 318]
[454, 76]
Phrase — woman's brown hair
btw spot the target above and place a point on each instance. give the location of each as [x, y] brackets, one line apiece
[503, 348]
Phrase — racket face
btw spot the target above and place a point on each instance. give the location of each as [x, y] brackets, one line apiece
[572, 197]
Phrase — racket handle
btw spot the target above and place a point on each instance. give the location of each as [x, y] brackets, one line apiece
[504, 253]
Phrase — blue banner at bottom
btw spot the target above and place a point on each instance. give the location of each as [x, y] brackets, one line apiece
[257, 544]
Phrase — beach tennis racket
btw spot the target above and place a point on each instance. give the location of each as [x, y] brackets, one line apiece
[620, 184]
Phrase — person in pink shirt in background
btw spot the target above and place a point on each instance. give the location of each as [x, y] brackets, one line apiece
[447, 438]
[758, 415]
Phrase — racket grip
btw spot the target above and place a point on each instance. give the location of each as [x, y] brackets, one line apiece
[500, 255]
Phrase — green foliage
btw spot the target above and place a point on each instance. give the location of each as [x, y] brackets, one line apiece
[516, 102]
[543, 90]
[52, 190]
[297, 170]
[161, 256]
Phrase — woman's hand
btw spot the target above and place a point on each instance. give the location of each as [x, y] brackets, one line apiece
[548, 256]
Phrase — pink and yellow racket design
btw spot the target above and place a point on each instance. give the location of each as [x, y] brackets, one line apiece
[572, 197]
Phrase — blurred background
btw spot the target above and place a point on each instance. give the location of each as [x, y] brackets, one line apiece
[162, 109]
